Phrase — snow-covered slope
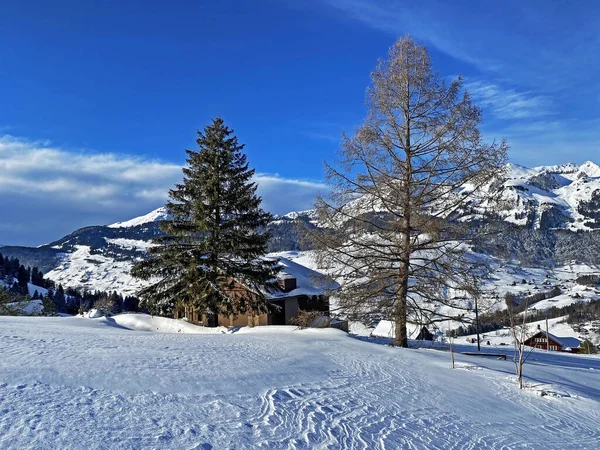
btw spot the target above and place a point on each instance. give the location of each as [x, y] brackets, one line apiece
[81, 268]
[79, 383]
[154, 216]
[565, 196]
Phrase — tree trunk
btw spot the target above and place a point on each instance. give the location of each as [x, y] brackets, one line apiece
[401, 335]
[401, 308]
[477, 325]
[520, 374]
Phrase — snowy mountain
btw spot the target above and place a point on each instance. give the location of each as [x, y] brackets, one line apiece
[549, 197]
[542, 213]
[101, 257]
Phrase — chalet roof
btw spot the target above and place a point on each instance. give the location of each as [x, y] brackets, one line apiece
[308, 282]
[565, 342]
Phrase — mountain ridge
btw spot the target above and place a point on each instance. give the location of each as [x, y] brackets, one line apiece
[542, 208]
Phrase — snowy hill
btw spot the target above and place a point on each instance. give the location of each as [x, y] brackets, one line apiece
[101, 257]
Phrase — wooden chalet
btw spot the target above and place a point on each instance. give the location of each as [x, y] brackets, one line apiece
[543, 340]
[301, 289]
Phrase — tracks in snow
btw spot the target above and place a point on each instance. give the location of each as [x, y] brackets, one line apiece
[111, 388]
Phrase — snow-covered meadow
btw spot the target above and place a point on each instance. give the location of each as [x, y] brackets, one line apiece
[107, 383]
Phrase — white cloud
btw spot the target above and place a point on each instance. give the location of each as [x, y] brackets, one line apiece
[282, 195]
[47, 192]
[508, 103]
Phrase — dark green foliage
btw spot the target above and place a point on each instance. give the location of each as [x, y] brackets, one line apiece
[588, 347]
[130, 304]
[588, 280]
[11, 303]
[216, 234]
[44, 258]
[583, 312]
[49, 306]
[60, 299]
[23, 277]
[77, 301]
[591, 209]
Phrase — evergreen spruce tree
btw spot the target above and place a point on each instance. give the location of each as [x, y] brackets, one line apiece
[216, 235]
[23, 278]
[60, 299]
[49, 306]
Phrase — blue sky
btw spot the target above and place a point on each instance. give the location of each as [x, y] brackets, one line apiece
[100, 98]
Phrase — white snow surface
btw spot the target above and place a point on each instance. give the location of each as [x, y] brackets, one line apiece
[131, 244]
[144, 322]
[153, 216]
[31, 288]
[82, 383]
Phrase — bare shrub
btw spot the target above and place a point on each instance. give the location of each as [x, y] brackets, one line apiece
[310, 319]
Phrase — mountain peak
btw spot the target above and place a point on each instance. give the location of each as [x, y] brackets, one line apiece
[590, 168]
[153, 216]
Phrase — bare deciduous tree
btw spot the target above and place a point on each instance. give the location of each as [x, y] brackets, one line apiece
[390, 228]
[520, 333]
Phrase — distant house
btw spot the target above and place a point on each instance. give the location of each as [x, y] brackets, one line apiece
[425, 335]
[541, 340]
[301, 289]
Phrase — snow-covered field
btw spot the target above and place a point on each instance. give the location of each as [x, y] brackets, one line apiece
[96, 383]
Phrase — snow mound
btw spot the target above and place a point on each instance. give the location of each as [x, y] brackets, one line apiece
[92, 314]
[145, 322]
[387, 329]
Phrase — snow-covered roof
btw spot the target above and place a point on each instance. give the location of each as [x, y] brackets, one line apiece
[565, 342]
[308, 282]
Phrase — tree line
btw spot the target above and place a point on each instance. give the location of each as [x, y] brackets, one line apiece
[12, 269]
